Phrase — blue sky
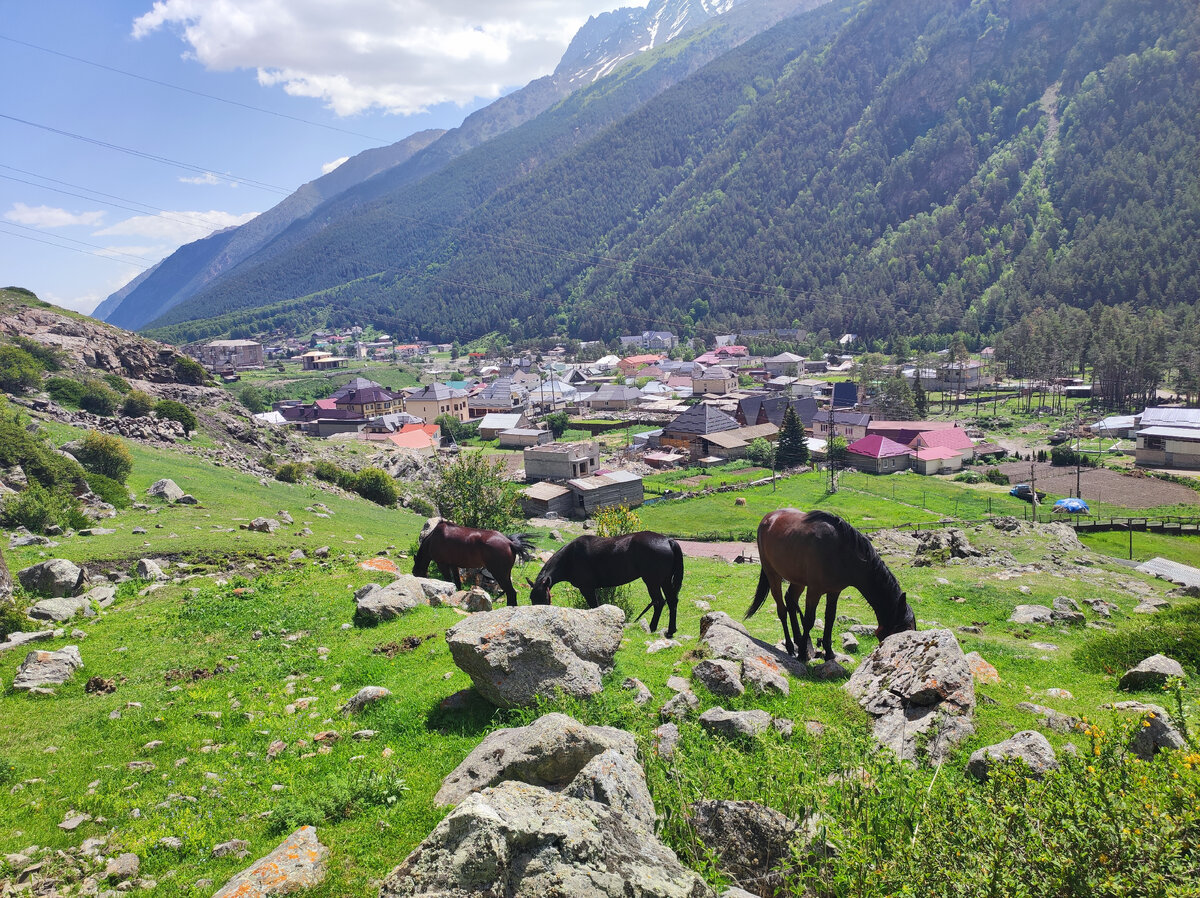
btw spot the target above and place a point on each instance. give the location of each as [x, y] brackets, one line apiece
[80, 217]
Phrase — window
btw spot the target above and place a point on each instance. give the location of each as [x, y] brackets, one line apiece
[1156, 443]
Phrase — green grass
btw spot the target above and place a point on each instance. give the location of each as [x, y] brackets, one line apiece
[1184, 549]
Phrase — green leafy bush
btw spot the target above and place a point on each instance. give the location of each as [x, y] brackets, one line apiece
[99, 399]
[20, 372]
[137, 404]
[111, 491]
[36, 508]
[189, 371]
[338, 797]
[65, 390]
[474, 491]
[103, 453]
[968, 477]
[51, 358]
[422, 506]
[291, 472]
[995, 475]
[176, 411]
[377, 485]
[117, 383]
[326, 471]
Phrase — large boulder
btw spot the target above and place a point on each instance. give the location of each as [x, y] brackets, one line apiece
[297, 864]
[516, 655]
[263, 525]
[615, 779]
[149, 569]
[165, 489]
[918, 685]
[727, 638]
[1029, 747]
[40, 670]
[368, 695]
[1155, 732]
[720, 677]
[551, 751]
[1152, 673]
[524, 841]
[735, 724]
[752, 842]
[61, 609]
[56, 577]
[375, 603]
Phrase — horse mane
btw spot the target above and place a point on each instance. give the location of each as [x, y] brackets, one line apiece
[879, 577]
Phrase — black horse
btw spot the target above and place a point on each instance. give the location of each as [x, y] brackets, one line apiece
[593, 562]
[821, 551]
[454, 547]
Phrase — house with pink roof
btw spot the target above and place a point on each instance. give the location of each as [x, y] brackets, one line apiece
[878, 455]
[954, 438]
[936, 460]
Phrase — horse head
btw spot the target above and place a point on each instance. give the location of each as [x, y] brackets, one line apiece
[539, 591]
[903, 620]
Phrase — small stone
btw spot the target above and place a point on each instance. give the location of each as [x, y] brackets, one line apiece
[642, 692]
[664, 740]
[660, 645]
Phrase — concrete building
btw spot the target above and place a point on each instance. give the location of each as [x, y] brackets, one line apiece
[491, 424]
[561, 461]
[432, 401]
[225, 355]
[1168, 447]
[524, 437]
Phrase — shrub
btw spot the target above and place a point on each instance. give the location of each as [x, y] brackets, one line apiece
[327, 471]
[105, 454]
[117, 383]
[19, 371]
[51, 358]
[137, 404]
[473, 490]
[338, 797]
[99, 399]
[65, 391]
[377, 485]
[189, 371]
[176, 411]
[12, 620]
[36, 508]
[616, 520]
[968, 477]
[422, 506]
[111, 491]
[291, 472]
[995, 475]
[255, 399]
[558, 422]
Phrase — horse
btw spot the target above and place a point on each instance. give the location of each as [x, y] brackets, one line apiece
[594, 562]
[454, 547]
[822, 552]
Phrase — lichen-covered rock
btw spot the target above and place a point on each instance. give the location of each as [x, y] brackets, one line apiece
[1029, 747]
[1156, 731]
[42, 669]
[55, 577]
[515, 655]
[523, 841]
[752, 842]
[720, 677]
[735, 724]
[374, 603]
[298, 863]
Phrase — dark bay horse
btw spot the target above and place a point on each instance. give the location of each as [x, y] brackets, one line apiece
[454, 547]
[822, 552]
[594, 562]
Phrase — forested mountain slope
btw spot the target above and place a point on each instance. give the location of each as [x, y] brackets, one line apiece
[883, 167]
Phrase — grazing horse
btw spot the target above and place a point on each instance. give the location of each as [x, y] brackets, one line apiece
[594, 562]
[821, 551]
[454, 547]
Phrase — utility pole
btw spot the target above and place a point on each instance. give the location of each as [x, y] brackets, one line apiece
[1033, 500]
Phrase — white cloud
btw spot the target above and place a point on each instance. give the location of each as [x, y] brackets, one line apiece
[208, 178]
[330, 166]
[175, 227]
[50, 217]
[402, 56]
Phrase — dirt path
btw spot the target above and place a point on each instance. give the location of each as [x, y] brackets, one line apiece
[723, 551]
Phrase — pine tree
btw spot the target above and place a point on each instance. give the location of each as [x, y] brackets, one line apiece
[919, 400]
[793, 450]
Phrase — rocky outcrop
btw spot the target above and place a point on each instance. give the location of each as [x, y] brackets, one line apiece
[918, 685]
[62, 609]
[515, 655]
[40, 670]
[298, 863]
[752, 842]
[1152, 673]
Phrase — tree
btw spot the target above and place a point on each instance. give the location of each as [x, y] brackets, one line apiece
[455, 429]
[793, 448]
[473, 490]
[19, 371]
[761, 452]
[255, 399]
[103, 453]
[558, 423]
[920, 401]
[176, 411]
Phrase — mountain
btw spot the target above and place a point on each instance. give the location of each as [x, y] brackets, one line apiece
[885, 168]
[602, 44]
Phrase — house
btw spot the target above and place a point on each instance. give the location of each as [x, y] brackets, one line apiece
[954, 439]
[715, 380]
[764, 409]
[417, 441]
[958, 376]
[524, 437]
[1187, 418]
[1168, 447]
[651, 340]
[815, 366]
[730, 444]
[590, 494]
[847, 339]
[630, 365]
[435, 400]
[851, 425]
[357, 383]
[542, 499]
[845, 394]
[1116, 427]
[687, 431]
[611, 397]
[320, 360]
[786, 364]
[936, 460]
[226, 355]
[810, 387]
[878, 455]
[905, 431]
[501, 395]
[370, 402]
[561, 461]
[492, 423]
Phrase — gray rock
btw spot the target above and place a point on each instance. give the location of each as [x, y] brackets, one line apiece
[187, 499]
[165, 489]
[263, 525]
[612, 778]
[735, 724]
[149, 569]
[41, 669]
[1028, 746]
[56, 577]
[679, 706]
[849, 643]
[1054, 720]
[720, 677]
[298, 863]
[238, 847]
[321, 552]
[297, 555]
[523, 841]
[1031, 614]
[1101, 607]
[62, 609]
[18, 639]
[122, 868]
[752, 842]
[516, 655]
[642, 693]
[1156, 731]
[368, 695]
[382, 603]
[661, 645]
[1066, 611]
[918, 685]
[729, 639]
[101, 595]
[664, 740]
[1152, 673]
[551, 751]
[765, 675]
[437, 592]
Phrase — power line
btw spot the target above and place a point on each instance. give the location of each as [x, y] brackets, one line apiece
[74, 249]
[188, 90]
[186, 166]
[109, 252]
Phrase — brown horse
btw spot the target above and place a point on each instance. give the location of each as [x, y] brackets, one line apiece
[822, 552]
[454, 547]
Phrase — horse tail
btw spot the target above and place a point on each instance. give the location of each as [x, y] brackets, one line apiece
[760, 594]
[676, 582]
[522, 545]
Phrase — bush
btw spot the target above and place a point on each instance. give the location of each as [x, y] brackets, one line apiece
[99, 399]
[111, 491]
[189, 371]
[420, 505]
[558, 422]
[338, 797]
[377, 485]
[20, 372]
[255, 399]
[117, 383]
[51, 358]
[65, 391]
[327, 471]
[1066, 456]
[291, 472]
[105, 454]
[36, 508]
[995, 475]
[137, 404]
[176, 411]
[968, 477]
[616, 520]
[473, 490]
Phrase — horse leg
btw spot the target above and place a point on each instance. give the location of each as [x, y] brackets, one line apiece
[657, 600]
[672, 598]
[589, 595]
[504, 578]
[776, 584]
[831, 601]
[804, 649]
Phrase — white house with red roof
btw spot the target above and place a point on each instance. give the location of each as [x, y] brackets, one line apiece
[879, 455]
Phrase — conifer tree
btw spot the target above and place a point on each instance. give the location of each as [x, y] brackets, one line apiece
[793, 450]
[919, 400]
